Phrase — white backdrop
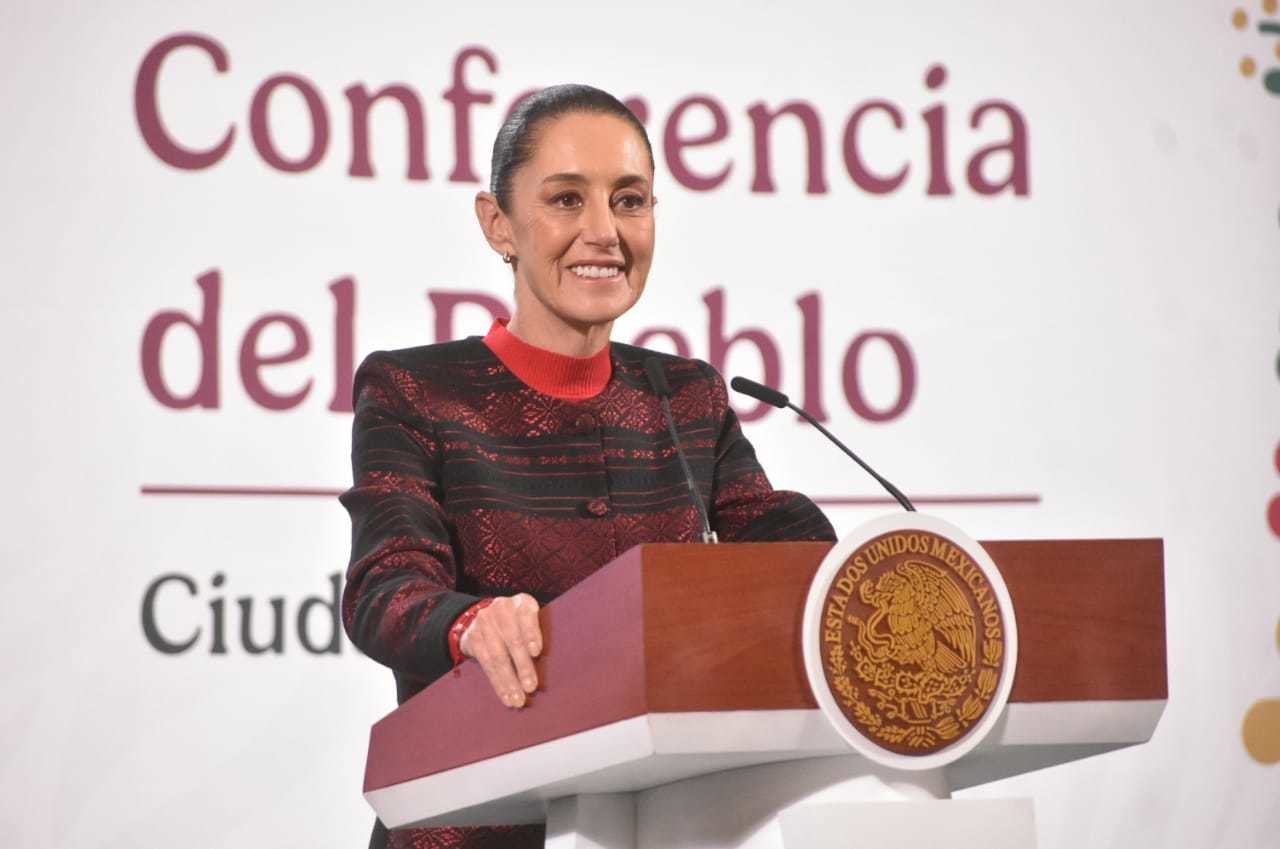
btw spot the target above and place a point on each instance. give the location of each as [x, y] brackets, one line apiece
[1102, 345]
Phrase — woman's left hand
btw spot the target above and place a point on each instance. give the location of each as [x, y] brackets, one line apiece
[505, 637]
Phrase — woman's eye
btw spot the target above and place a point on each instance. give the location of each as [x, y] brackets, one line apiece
[566, 200]
[630, 202]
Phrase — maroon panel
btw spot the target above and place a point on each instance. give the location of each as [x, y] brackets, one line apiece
[723, 625]
[584, 682]
[1090, 617]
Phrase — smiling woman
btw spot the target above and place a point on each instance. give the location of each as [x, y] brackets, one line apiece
[571, 208]
[491, 475]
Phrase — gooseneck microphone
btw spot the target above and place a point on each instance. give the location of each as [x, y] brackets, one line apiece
[658, 381]
[772, 396]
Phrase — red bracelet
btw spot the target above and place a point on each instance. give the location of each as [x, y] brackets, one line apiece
[460, 626]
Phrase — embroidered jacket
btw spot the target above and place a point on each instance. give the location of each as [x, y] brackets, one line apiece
[470, 483]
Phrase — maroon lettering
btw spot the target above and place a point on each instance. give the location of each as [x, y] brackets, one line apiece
[935, 118]
[762, 119]
[446, 302]
[260, 126]
[205, 328]
[866, 179]
[252, 362]
[204, 324]
[462, 97]
[638, 107]
[673, 143]
[344, 347]
[696, 121]
[1016, 147]
[811, 336]
[415, 127]
[718, 354]
[147, 110]
[906, 376]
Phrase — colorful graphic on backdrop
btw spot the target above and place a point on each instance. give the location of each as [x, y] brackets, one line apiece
[1261, 726]
[1273, 509]
[1249, 65]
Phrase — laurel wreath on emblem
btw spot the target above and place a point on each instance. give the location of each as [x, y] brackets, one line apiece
[915, 673]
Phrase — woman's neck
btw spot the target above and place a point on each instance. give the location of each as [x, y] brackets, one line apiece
[560, 338]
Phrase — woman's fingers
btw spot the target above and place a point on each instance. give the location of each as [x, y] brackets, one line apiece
[517, 650]
[530, 630]
[497, 666]
[504, 638]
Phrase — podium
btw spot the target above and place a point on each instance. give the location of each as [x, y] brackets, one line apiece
[674, 709]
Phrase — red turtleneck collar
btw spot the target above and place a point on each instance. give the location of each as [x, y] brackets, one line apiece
[557, 375]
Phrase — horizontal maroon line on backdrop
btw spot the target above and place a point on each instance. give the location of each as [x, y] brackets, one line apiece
[828, 500]
[275, 491]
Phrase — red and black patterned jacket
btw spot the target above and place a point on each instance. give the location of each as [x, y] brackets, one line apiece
[469, 483]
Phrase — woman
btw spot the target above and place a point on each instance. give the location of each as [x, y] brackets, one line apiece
[493, 474]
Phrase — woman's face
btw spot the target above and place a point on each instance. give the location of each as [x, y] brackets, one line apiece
[581, 224]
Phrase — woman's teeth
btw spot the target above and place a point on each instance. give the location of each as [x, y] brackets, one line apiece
[595, 271]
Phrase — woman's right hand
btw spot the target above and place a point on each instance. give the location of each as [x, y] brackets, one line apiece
[505, 637]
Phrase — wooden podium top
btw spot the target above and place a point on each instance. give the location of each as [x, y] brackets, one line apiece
[677, 629]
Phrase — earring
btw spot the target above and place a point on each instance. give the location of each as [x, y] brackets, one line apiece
[506, 257]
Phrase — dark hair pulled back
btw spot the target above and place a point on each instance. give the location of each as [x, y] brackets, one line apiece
[518, 139]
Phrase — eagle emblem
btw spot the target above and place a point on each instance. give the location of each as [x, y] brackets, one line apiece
[921, 619]
[912, 642]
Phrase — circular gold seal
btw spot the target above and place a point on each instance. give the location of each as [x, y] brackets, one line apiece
[913, 641]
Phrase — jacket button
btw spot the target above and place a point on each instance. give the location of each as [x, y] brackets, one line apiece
[597, 507]
[585, 423]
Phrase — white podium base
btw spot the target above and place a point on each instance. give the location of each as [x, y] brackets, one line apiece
[955, 824]
[841, 802]
[592, 821]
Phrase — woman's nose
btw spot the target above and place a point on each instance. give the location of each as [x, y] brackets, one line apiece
[598, 225]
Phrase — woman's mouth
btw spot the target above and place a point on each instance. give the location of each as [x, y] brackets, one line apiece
[597, 272]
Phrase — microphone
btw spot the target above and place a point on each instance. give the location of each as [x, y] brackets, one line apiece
[658, 381]
[777, 399]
